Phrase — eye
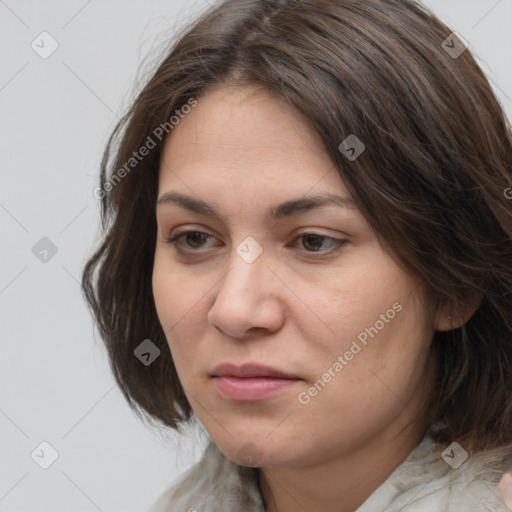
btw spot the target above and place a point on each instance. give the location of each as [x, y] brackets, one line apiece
[316, 242]
[197, 239]
[193, 241]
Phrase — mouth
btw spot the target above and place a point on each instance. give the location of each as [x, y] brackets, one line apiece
[250, 382]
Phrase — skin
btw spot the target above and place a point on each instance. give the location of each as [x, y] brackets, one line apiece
[297, 307]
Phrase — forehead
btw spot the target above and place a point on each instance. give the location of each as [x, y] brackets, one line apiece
[248, 139]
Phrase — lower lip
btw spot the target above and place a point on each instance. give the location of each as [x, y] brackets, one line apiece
[251, 389]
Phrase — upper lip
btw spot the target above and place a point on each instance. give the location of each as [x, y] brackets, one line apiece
[249, 370]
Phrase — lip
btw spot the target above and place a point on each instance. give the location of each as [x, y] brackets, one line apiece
[250, 382]
[249, 370]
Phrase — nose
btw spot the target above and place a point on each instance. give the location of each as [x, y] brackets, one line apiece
[249, 301]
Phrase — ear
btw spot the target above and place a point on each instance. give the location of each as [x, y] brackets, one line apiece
[452, 315]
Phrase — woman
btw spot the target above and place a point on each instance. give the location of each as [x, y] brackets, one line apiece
[307, 248]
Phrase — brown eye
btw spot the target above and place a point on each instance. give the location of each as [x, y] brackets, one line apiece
[313, 243]
[194, 239]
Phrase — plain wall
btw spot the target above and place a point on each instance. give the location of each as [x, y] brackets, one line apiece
[55, 115]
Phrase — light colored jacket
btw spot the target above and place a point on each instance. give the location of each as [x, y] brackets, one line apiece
[429, 480]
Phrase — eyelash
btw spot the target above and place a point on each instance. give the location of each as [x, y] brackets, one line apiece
[338, 243]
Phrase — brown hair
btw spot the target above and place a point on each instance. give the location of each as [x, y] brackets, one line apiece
[431, 182]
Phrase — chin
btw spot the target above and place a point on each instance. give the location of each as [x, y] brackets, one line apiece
[258, 450]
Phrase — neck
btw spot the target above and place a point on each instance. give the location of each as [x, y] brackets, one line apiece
[340, 484]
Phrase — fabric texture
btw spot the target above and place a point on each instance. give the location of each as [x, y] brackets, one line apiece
[426, 481]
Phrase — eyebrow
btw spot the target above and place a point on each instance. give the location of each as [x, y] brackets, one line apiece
[278, 211]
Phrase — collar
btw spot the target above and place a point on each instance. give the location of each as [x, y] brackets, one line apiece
[425, 481]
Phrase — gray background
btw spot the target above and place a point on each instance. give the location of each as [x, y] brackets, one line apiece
[56, 113]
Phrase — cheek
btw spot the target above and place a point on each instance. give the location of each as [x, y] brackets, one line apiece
[180, 302]
[176, 293]
[385, 361]
[356, 301]
[374, 382]
[165, 293]
[375, 318]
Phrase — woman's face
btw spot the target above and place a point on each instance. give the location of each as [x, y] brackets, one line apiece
[250, 288]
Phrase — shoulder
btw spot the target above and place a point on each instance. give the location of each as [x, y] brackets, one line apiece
[442, 478]
[213, 483]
